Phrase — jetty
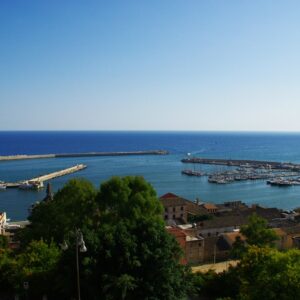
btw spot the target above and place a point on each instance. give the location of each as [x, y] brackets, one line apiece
[83, 154]
[255, 164]
[37, 182]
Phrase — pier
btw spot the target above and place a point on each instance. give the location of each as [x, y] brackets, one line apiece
[36, 182]
[84, 154]
[255, 164]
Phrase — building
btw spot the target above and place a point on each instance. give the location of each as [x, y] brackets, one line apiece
[180, 237]
[218, 225]
[49, 193]
[192, 245]
[2, 222]
[179, 210]
[210, 208]
[174, 208]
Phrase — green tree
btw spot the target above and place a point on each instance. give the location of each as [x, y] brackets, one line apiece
[256, 233]
[136, 258]
[130, 254]
[268, 274]
[7, 271]
[3, 242]
[73, 207]
[211, 285]
[37, 265]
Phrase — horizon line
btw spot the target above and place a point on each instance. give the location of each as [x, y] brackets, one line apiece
[150, 130]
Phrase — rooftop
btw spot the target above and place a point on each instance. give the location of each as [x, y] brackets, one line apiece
[170, 199]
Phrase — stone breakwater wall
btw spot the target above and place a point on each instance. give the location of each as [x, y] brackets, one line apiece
[85, 154]
[245, 163]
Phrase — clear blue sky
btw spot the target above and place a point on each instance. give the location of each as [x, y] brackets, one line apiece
[150, 65]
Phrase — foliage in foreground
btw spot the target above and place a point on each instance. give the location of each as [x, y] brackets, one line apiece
[256, 233]
[262, 273]
[130, 255]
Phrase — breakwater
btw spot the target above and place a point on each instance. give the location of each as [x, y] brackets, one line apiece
[83, 154]
[36, 182]
[256, 164]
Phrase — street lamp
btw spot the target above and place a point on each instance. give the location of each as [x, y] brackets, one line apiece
[80, 245]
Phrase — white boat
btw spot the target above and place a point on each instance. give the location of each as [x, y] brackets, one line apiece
[31, 185]
[2, 187]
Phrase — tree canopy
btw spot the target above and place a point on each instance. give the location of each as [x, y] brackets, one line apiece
[130, 254]
[257, 232]
[266, 273]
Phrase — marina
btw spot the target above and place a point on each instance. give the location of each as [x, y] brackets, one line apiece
[38, 182]
[275, 173]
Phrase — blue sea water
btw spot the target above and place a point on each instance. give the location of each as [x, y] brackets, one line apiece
[163, 172]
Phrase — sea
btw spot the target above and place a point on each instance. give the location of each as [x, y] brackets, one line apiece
[162, 171]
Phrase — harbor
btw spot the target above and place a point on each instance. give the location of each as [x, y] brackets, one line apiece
[38, 182]
[255, 164]
[82, 154]
[275, 173]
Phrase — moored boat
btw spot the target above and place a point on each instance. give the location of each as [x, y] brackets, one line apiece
[31, 185]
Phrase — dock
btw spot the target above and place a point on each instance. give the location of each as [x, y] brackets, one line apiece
[256, 164]
[83, 154]
[59, 173]
[38, 181]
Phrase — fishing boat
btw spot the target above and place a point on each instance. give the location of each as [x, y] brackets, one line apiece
[192, 173]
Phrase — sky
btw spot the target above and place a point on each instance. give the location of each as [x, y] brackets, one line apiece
[150, 65]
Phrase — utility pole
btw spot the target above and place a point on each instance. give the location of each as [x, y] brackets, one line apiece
[77, 264]
[215, 250]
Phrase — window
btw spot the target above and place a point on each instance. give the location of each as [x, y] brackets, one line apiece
[181, 208]
[208, 234]
[173, 216]
[166, 210]
[173, 209]
[166, 217]
[181, 215]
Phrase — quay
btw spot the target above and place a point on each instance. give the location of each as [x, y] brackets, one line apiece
[37, 182]
[84, 154]
[256, 164]
[59, 173]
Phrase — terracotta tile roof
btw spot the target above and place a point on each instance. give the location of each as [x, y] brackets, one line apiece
[223, 221]
[170, 199]
[209, 206]
[267, 213]
[230, 237]
[169, 195]
[279, 231]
